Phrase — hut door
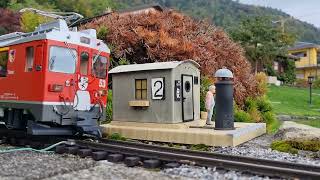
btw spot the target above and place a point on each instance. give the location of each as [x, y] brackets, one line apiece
[187, 97]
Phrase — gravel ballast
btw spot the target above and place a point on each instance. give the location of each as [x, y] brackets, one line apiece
[260, 148]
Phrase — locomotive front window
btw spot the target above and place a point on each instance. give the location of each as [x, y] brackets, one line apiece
[62, 60]
[99, 66]
[4, 55]
[84, 59]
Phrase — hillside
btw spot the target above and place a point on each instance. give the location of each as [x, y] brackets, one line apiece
[227, 14]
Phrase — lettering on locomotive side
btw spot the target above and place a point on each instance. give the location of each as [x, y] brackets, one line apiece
[9, 96]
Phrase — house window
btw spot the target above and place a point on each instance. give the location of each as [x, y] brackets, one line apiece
[300, 54]
[141, 89]
[4, 55]
[84, 61]
[29, 59]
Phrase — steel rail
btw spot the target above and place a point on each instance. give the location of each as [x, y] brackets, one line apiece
[251, 165]
[217, 155]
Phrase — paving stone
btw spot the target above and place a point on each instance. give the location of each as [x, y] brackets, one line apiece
[132, 161]
[99, 155]
[151, 163]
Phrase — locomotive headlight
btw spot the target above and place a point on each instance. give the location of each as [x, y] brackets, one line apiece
[55, 88]
[103, 92]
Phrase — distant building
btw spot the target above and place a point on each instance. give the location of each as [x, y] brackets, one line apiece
[308, 64]
[149, 8]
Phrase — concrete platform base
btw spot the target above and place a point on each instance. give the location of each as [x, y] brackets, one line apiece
[195, 132]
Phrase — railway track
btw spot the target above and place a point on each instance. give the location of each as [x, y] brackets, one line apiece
[150, 156]
[138, 151]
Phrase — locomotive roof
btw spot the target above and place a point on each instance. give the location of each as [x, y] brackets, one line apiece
[59, 31]
[150, 66]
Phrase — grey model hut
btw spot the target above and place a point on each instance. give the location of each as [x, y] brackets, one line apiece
[163, 92]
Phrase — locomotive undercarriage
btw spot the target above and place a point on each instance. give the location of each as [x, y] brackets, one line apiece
[39, 119]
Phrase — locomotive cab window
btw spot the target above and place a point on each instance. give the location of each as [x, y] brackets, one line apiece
[62, 60]
[99, 66]
[84, 62]
[141, 89]
[29, 59]
[4, 55]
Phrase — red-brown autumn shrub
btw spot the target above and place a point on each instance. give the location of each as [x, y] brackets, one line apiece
[169, 35]
[9, 21]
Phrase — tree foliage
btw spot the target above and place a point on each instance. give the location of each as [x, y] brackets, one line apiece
[9, 21]
[171, 36]
[29, 21]
[263, 42]
[229, 13]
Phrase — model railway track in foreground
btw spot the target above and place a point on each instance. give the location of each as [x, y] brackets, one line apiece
[137, 152]
[150, 156]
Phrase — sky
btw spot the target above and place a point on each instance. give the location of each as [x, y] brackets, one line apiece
[305, 10]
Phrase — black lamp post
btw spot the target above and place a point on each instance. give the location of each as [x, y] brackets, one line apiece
[310, 80]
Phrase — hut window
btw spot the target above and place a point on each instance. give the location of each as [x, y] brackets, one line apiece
[141, 89]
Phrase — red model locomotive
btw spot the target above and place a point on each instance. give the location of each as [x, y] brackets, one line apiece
[53, 81]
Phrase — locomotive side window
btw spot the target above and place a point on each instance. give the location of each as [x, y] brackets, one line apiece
[4, 55]
[99, 66]
[84, 61]
[29, 59]
[62, 60]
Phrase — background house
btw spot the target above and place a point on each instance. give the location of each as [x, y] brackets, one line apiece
[308, 64]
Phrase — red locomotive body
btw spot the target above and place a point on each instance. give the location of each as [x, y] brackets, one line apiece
[53, 81]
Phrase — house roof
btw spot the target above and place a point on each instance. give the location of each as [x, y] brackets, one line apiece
[142, 7]
[150, 66]
[304, 45]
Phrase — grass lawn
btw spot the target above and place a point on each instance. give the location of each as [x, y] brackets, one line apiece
[294, 101]
[314, 123]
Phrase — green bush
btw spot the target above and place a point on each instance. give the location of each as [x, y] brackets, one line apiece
[102, 32]
[200, 147]
[109, 107]
[117, 137]
[273, 123]
[316, 84]
[205, 83]
[257, 110]
[294, 146]
[262, 83]
[283, 146]
[263, 105]
[242, 116]
[249, 104]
